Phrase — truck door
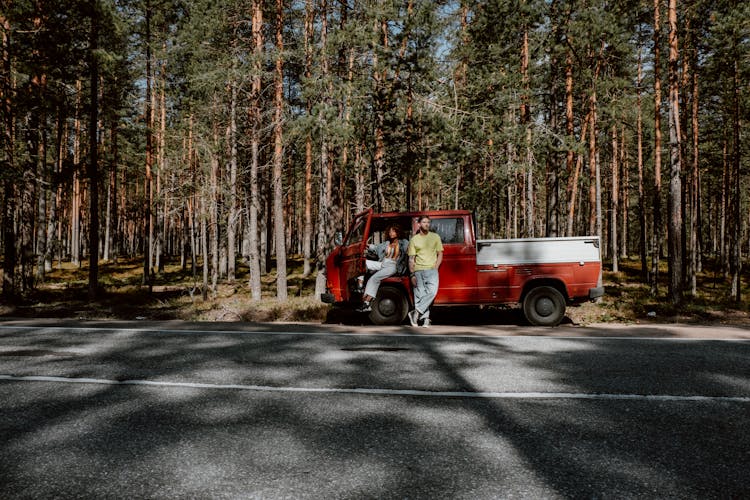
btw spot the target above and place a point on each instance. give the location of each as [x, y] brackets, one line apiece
[458, 278]
[352, 256]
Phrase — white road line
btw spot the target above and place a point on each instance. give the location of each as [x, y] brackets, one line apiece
[379, 392]
[366, 334]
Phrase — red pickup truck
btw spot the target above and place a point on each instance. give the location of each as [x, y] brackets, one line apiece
[543, 275]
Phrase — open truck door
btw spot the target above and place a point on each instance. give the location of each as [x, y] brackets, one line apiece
[349, 259]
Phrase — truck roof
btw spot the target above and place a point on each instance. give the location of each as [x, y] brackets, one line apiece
[430, 213]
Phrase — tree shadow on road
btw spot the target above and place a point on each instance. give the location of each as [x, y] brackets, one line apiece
[103, 440]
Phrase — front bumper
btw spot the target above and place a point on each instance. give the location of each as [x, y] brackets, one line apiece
[595, 293]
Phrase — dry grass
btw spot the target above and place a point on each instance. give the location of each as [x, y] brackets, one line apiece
[177, 295]
[628, 300]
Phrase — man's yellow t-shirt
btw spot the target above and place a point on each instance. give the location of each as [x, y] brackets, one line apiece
[425, 249]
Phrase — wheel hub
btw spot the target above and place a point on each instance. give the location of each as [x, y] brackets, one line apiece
[386, 307]
[545, 306]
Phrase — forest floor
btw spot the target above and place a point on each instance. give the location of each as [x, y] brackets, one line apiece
[176, 295]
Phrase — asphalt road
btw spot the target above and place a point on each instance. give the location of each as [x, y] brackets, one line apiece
[168, 410]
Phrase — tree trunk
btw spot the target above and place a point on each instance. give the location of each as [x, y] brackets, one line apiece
[359, 180]
[93, 166]
[526, 125]
[191, 203]
[126, 223]
[598, 184]
[573, 179]
[593, 169]
[204, 250]
[43, 179]
[553, 174]
[278, 158]
[8, 139]
[625, 198]
[161, 221]
[380, 108]
[232, 217]
[569, 131]
[192, 236]
[323, 241]
[348, 123]
[595, 196]
[111, 189]
[148, 221]
[695, 190]
[9, 239]
[725, 197]
[308, 222]
[614, 250]
[213, 230]
[510, 206]
[324, 200]
[52, 242]
[255, 126]
[656, 229]
[267, 242]
[736, 265]
[254, 254]
[117, 229]
[675, 182]
[75, 212]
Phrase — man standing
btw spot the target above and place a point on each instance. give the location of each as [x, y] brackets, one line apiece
[425, 256]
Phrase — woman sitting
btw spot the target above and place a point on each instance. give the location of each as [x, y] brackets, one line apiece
[391, 256]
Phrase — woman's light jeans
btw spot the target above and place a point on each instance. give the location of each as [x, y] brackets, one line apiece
[425, 291]
[384, 269]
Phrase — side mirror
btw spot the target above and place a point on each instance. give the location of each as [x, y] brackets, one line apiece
[338, 239]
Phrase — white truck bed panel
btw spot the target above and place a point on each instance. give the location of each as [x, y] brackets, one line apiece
[538, 250]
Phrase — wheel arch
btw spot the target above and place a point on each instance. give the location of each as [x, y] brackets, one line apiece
[398, 282]
[537, 282]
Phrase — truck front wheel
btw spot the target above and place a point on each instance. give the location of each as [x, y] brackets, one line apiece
[389, 307]
[544, 306]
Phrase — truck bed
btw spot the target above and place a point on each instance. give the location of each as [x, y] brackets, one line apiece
[538, 250]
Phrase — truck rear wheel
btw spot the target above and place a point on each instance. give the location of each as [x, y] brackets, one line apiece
[389, 307]
[544, 306]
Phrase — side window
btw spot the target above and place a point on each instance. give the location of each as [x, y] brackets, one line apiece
[450, 230]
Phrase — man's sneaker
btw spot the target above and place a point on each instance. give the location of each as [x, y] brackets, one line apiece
[365, 307]
[426, 323]
[413, 317]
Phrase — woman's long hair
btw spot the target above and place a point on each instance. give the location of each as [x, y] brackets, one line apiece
[388, 231]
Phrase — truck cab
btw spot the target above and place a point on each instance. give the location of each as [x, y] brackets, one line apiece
[543, 275]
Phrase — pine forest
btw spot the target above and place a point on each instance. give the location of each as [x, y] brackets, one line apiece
[231, 135]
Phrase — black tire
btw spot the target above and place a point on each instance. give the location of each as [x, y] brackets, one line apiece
[389, 307]
[544, 306]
